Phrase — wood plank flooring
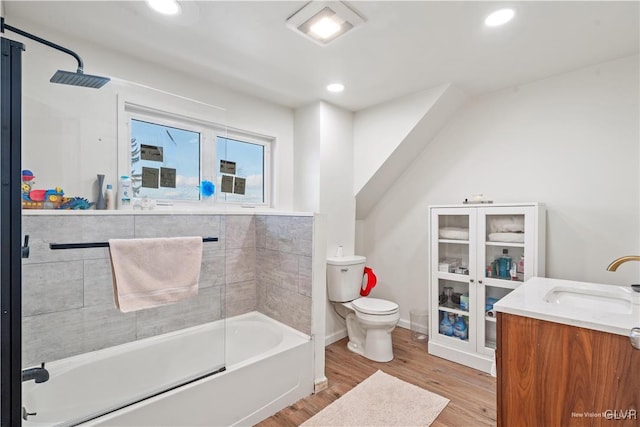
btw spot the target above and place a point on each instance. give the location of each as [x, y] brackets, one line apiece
[472, 393]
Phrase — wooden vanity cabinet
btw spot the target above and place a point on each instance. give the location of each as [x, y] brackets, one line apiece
[550, 374]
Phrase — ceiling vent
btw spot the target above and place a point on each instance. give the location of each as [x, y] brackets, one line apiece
[324, 21]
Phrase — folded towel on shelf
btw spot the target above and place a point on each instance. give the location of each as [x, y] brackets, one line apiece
[454, 233]
[505, 224]
[153, 272]
[506, 237]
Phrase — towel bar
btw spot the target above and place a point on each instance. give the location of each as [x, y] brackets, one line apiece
[101, 244]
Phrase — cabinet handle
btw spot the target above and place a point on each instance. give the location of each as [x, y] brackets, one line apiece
[470, 280]
[480, 281]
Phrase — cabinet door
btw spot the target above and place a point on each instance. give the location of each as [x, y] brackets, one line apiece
[505, 259]
[453, 266]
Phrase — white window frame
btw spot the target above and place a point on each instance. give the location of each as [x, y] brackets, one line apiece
[209, 161]
[250, 138]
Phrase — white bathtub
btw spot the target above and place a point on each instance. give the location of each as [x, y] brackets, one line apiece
[268, 367]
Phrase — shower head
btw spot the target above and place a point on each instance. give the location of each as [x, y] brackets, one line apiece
[64, 77]
[79, 79]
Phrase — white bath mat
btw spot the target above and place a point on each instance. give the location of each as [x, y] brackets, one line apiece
[381, 400]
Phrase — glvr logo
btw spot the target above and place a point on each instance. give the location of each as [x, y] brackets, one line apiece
[614, 414]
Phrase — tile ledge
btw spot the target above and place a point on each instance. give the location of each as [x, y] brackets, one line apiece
[225, 211]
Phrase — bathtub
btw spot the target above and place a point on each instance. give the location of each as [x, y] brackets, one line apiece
[268, 367]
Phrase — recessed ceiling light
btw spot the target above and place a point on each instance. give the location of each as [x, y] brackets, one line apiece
[325, 27]
[324, 21]
[499, 17]
[166, 7]
[335, 87]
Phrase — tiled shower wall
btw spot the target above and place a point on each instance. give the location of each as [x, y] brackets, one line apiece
[259, 263]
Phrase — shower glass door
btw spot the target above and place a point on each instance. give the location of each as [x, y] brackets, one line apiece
[82, 356]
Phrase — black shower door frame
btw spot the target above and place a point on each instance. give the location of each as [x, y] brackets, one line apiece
[10, 233]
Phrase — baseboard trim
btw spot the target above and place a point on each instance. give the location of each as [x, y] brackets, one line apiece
[336, 336]
[320, 384]
[404, 324]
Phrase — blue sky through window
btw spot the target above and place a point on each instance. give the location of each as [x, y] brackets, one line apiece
[249, 160]
[181, 151]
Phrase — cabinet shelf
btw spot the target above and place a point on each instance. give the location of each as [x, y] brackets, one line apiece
[453, 276]
[455, 242]
[494, 282]
[505, 244]
[453, 310]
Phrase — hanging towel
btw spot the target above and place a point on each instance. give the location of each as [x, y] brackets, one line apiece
[152, 272]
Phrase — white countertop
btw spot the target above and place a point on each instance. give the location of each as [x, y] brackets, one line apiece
[530, 300]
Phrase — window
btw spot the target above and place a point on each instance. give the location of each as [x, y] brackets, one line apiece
[165, 161]
[241, 171]
[175, 159]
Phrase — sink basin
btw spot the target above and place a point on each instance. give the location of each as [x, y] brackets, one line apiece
[590, 299]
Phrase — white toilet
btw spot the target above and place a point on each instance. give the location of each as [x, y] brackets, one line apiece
[370, 320]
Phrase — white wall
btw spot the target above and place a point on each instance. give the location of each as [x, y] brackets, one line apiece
[336, 194]
[378, 130]
[336, 160]
[324, 180]
[306, 188]
[70, 133]
[442, 104]
[569, 141]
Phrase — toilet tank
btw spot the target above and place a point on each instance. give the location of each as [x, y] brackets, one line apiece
[344, 277]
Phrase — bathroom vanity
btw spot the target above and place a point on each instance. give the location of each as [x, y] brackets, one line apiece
[564, 357]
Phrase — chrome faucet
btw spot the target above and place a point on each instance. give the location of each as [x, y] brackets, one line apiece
[40, 374]
[634, 335]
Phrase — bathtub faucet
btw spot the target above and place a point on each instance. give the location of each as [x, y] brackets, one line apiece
[40, 374]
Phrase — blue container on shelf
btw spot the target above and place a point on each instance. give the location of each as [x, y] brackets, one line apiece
[460, 329]
[489, 303]
[446, 325]
[464, 302]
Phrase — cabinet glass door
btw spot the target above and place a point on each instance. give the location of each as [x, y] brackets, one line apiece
[504, 257]
[454, 310]
[487, 296]
[454, 235]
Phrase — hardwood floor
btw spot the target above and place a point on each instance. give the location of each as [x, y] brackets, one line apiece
[472, 393]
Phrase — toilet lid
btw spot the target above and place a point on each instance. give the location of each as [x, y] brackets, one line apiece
[374, 306]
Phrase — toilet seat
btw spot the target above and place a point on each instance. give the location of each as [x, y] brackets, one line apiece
[374, 306]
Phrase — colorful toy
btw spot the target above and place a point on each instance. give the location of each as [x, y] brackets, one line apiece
[76, 203]
[47, 199]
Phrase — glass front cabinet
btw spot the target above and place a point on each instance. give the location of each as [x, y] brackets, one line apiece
[478, 254]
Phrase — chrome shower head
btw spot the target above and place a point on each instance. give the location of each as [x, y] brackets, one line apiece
[79, 79]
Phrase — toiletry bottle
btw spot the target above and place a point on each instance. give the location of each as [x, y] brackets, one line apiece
[520, 269]
[512, 272]
[124, 193]
[504, 265]
[109, 197]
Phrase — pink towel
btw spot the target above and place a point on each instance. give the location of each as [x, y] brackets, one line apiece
[152, 272]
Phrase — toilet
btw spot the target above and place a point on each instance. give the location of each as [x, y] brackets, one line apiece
[369, 320]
